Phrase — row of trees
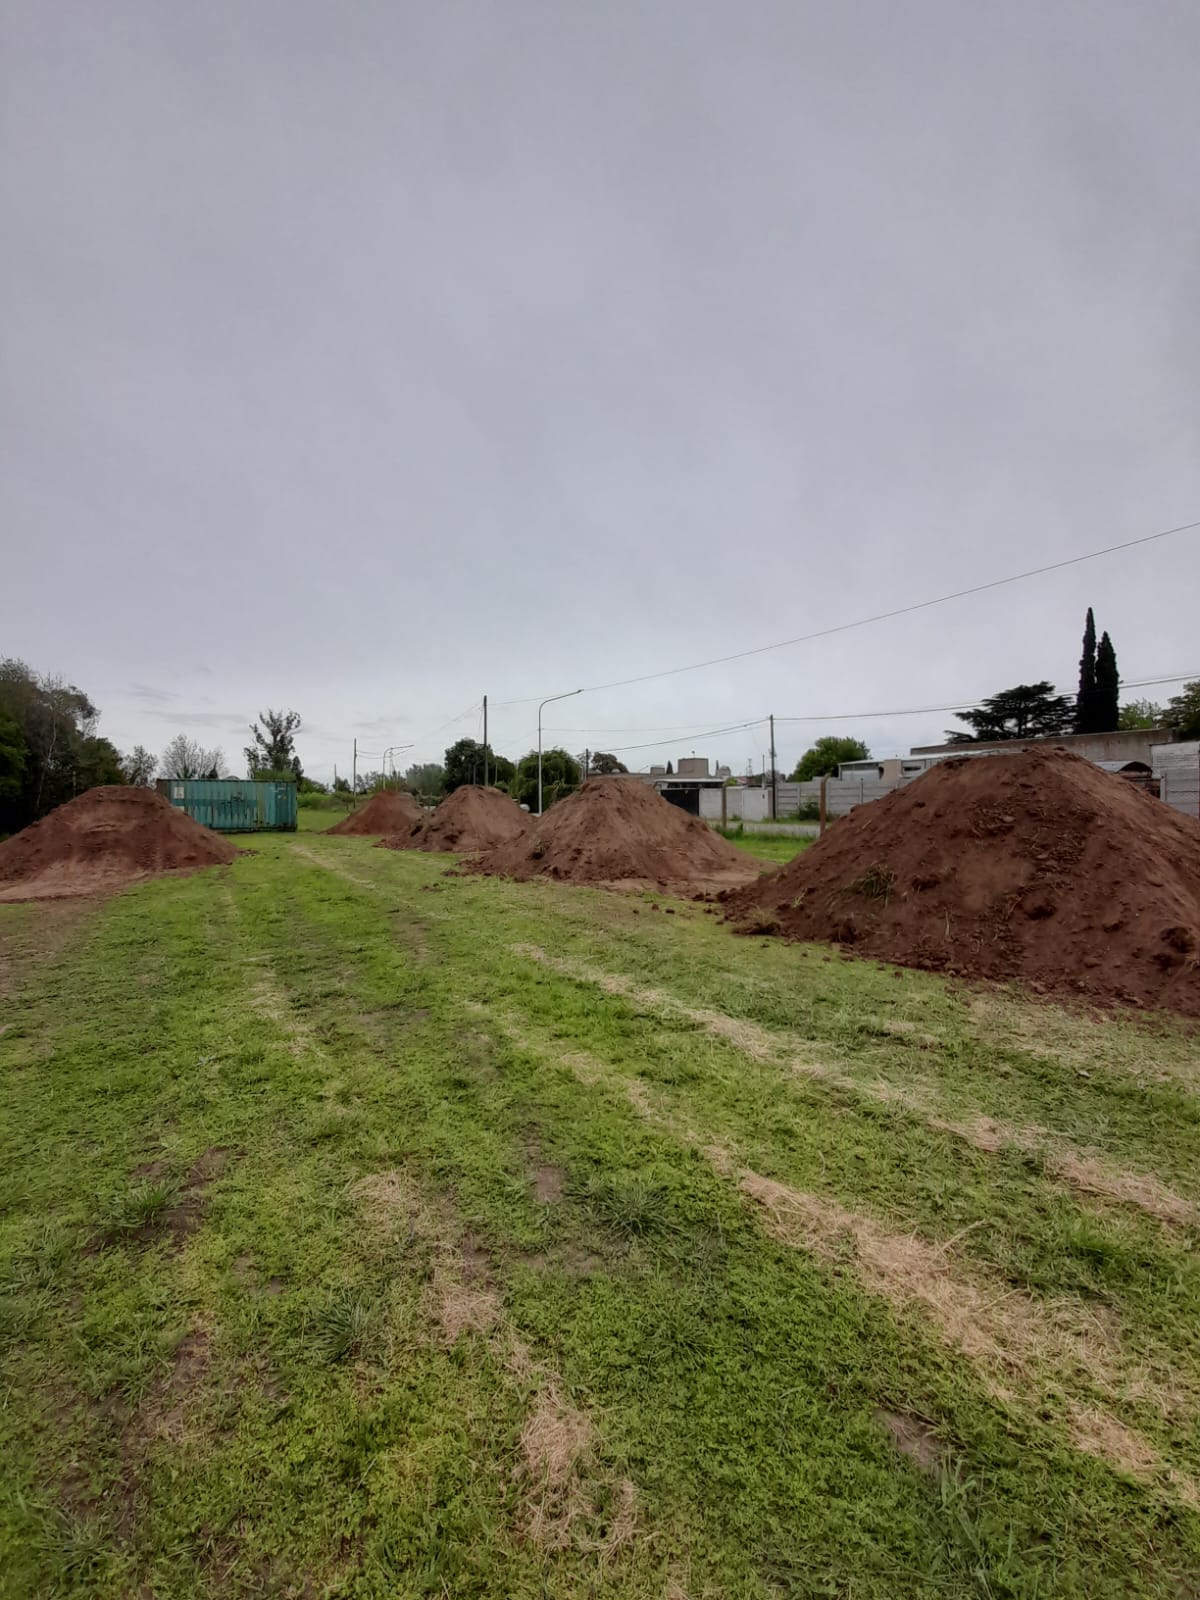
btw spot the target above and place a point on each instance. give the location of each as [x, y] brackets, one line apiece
[1036, 711]
[50, 750]
[467, 761]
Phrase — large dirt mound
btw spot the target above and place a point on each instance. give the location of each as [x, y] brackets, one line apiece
[389, 811]
[104, 838]
[619, 832]
[471, 819]
[1039, 866]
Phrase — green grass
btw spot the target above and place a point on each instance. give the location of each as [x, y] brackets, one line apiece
[764, 846]
[366, 1231]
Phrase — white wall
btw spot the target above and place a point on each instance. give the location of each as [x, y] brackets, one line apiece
[1177, 767]
[741, 805]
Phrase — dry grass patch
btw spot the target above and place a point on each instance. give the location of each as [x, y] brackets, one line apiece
[1011, 1336]
[1085, 1172]
[570, 1499]
[913, 1437]
[460, 1296]
[460, 1305]
[1082, 1040]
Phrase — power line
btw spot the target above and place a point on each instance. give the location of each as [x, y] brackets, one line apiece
[965, 703]
[475, 705]
[709, 733]
[691, 730]
[884, 616]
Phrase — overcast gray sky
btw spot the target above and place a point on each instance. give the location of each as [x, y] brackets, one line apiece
[368, 357]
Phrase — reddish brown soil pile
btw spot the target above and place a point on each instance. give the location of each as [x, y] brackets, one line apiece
[1038, 866]
[102, 839]
[389, 811]
[471, 819]
[618, 832]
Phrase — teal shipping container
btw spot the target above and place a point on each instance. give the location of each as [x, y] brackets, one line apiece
[233, 805]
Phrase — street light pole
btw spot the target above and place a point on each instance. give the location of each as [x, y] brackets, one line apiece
[391, 751]
[545, 703]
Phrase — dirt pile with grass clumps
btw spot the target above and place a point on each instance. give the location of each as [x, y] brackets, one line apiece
[1039, 866]
[470, 819]
[389, 811]
[617, 832]
[103, 839]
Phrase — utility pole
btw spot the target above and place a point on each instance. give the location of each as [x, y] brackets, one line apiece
[354, 777]
[485, 741]
[774, 776]
[549, 699]
[587, 761]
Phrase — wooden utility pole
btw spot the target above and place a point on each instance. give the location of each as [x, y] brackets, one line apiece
[354, 777]
[774, 776]
[485, 741]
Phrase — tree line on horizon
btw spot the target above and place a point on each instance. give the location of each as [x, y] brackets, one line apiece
[1036, 711]
[51, 751]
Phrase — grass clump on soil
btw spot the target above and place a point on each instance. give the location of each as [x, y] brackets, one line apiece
[528, 1243]
[140, 1206]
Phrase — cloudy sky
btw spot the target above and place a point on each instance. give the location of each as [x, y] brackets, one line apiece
[366, 358]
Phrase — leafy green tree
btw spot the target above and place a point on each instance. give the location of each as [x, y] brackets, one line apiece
[1141, 714]
[185, 758]
[99, 762]
[561, 775]
[274, 748]
[55, 753]
[827, 755]
[1028, 711]
[606, 765]
[1086, 704]
[465, 764]
[1183, 711]
[426, 778]
[139, 766]
[12, 773]
[1108, 687]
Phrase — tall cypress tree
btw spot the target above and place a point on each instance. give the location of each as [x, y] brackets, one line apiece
[1086, 708]
[1108, 687]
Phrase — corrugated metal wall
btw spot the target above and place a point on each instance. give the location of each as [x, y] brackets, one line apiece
[234, 805]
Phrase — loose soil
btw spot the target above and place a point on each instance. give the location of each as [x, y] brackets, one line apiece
[471, 819]
[619, 833]
[385, 812]
[103, 839]
[1039, 866]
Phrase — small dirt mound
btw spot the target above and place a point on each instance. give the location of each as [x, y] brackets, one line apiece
[1039, 866]
[471, 819]
[389, 811]
[102, 839]
[618, 832]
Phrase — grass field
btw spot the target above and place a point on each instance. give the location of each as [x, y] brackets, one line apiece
[368, 1231]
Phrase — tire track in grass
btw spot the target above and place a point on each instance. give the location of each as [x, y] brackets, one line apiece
[1024, 1348]
[569, 1497]
[1001, 1330]
[452, 1271]
[1083, 1171]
